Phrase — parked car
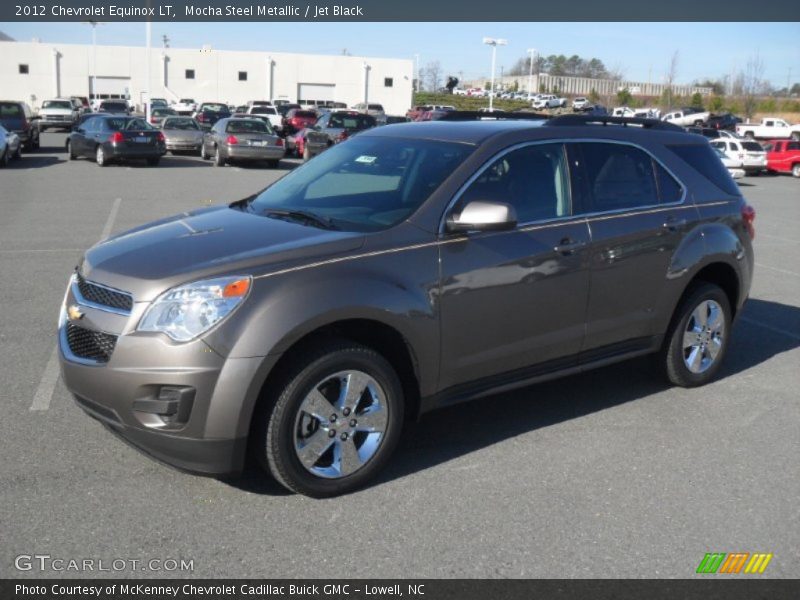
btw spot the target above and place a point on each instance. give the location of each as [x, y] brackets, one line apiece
[232, 139]
[270, 112]
[112, 138]
[114, 106]
[18, 118]
[580, 103]
[58, 113]
[185, 106]
[685, 118]
[210, 112]
[182, 134]
[305, 323]
[158, 114]
[158, 103]
[331, 129]
[723, 121]
[415, 112]
[297, 119]
[10, 146]
[376, 110]
[549, 101]
[596, 110]
[459, 92]
[259, 103]
[750, 155]
[734, 166]
[769, 128]
[783, 156]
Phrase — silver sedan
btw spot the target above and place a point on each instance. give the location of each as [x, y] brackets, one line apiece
[243, 139]
[182, 134]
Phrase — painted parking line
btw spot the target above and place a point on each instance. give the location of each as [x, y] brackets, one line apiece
[776, 269]
[44, 391]
[777, 330]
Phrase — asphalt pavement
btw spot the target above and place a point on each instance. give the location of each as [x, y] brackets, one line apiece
[606, 474]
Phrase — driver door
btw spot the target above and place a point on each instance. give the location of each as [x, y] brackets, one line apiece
[517, 298]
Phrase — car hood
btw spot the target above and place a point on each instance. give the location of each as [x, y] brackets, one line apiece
[150, 259]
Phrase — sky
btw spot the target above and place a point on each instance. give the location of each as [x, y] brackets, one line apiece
[641, 51]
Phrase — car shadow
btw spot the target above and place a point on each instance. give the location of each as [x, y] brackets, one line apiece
[32, 161]
[455, 431]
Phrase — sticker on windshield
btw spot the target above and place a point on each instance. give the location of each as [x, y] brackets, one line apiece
[367, 160]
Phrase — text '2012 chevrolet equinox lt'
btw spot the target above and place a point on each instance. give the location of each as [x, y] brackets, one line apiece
[411, 267]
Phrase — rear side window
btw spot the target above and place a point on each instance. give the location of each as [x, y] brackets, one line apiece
[669, 190]
[752, 146]
[619, 177]
[703, 160]
[10, 110]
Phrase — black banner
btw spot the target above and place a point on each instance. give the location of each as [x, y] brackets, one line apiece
[400, 10]
[422, 589]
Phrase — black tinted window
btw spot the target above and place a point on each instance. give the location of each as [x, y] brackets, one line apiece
[669, 190]
[703, 160]
[532, 180]
[752, 146]
[619, 177]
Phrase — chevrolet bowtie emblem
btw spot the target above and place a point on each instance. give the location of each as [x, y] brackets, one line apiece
[74, 313]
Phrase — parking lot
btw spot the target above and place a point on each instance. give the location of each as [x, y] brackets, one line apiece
[606, 474]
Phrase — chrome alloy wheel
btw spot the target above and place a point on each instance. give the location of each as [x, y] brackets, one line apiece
[704, 336]
[340, 424]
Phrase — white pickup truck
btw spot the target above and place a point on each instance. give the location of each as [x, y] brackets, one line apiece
[686, 118]
[769, 128]
[185, 106]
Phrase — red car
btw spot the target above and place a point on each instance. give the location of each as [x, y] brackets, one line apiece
[783, 156]
[298, 119]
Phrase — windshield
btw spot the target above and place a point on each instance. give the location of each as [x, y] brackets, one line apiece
[57, 104]
[247, 126]
[123, 124]
[365, 184]
[185, 123]
[352, 122]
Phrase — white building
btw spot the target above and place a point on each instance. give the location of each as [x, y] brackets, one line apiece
[35, 71]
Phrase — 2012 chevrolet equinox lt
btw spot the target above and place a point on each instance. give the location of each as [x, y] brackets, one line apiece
[408, 268]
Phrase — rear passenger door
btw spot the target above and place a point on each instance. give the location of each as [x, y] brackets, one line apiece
[512, 299]
[637, 217]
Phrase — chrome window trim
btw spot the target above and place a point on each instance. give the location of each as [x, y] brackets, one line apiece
[79, 298]
[587, 215]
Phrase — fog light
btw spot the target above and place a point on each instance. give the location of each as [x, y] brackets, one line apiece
[172, 406]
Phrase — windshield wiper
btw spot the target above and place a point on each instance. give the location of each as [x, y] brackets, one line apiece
[301, 215]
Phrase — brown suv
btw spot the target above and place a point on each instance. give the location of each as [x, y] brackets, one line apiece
[410, 267]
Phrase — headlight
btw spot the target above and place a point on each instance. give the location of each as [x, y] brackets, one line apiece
[187, 311]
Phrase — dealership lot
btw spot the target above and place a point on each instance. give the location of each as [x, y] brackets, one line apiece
[608, 474]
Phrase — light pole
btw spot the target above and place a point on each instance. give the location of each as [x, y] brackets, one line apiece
[532, 52]
[93, 24]
[494, 43]
[416, 69]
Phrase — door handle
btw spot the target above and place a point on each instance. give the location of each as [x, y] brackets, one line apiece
[568, 246]
[674, 224]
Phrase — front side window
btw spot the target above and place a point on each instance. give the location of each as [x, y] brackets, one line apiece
[619, 177]
[532, 179]
[365, 184]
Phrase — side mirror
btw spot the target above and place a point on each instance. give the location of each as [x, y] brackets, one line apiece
[481, 215]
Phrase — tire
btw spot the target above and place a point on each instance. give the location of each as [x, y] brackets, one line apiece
[282, 423]
[218, 160]
[5, 159]
[692, 365]
[203, 154]
[306, 154]
[70, 154]
[153, 162]
[796, 170]
[100, 156]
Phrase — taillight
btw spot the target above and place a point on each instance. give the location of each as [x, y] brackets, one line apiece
[232, 140]
[201, 117]
[342, 136]
[279, 142]
[116, 137]
[160, 137]
[748, 217]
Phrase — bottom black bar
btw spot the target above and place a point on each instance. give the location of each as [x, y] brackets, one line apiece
[732, 588]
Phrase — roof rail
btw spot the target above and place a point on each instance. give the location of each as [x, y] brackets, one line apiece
[477, 115]
[573, 120]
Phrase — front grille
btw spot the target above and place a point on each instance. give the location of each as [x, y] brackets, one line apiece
[103, 295]
[92, 345]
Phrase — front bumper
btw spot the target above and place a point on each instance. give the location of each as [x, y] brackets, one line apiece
[55, 122]
[203, 432]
